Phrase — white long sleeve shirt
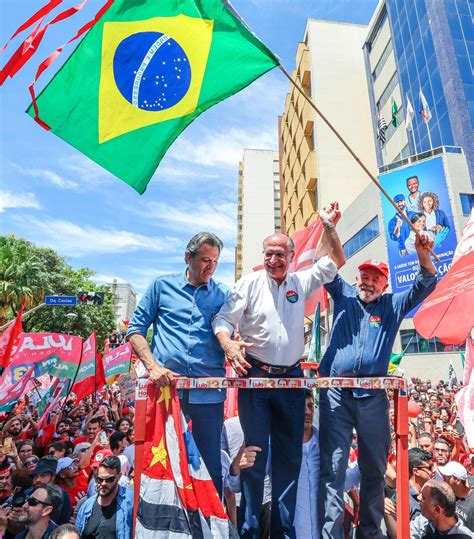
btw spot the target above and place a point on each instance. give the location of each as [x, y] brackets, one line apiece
[271, 316]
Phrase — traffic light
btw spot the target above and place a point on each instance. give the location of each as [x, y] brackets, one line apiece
[91, 298]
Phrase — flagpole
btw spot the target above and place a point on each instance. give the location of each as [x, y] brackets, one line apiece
[413, 139]
[429, 136]
[354, 155]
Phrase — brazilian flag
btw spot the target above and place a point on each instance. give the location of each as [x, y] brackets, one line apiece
[142, 74]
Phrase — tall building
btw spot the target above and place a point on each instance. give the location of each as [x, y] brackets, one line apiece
[258, 207]
[125, 300]
[425, 45]
[315, 167]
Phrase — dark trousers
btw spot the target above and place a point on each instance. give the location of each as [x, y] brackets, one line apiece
[207, 421]
[276, 415]
[339, 413]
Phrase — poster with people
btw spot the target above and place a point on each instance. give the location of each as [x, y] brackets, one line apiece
[420, 192]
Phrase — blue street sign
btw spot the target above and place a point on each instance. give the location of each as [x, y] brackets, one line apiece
[60, 300]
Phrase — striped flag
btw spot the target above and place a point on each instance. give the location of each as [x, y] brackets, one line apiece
[381, 128]
[177, 496]
[409, 115]
[424, 108]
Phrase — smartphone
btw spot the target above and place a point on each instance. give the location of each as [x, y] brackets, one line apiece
[7, 444]
[439, 424]
[103, 438]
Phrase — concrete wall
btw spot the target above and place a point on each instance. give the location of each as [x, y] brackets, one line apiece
[339, 89]
[258, 213]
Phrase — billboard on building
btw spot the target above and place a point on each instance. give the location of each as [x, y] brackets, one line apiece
[421, 191]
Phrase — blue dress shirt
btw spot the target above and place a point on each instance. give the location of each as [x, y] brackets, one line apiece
[362, 334]
[183, 341]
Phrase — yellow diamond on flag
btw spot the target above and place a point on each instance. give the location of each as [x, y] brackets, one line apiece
[151, 71]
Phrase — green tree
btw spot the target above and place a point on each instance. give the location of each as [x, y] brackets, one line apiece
[27, 270]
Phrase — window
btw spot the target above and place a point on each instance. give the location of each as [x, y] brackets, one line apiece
[413, 343]
[382, 60]
[387, 92]
[362, 238]
[467, 203]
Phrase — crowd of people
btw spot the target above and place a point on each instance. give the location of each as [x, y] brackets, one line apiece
[280, 472]
[80, 484]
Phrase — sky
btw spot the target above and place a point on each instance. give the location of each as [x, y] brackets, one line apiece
[54, 196]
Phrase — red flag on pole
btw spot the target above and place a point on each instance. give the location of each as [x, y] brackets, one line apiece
[90, 376]
[10, 338]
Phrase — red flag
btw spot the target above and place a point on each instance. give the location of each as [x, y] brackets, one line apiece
[10, 338]
[46, 423]
[12, 388]
[175, 484]
[90, 376]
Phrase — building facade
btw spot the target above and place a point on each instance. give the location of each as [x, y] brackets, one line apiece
[258, 207]
[315, 167]
[426, 46]
[364, 236]
[125, 301]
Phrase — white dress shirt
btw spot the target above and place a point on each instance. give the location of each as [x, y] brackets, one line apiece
[271, 316]
[306, 511]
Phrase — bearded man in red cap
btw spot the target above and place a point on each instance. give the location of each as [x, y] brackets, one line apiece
[365, 324]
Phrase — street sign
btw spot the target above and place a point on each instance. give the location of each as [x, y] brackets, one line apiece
[60, 300]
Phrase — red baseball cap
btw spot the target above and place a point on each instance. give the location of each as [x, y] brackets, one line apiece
[100, 456]
[376, 264]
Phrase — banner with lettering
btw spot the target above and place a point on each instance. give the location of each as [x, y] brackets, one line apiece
[50, 353]
[12, 389]
[420, 191]
[117, 360]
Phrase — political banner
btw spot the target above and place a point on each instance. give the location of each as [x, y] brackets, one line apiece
[50, 353]
[127, 384]
[117, 360]
[419, 191]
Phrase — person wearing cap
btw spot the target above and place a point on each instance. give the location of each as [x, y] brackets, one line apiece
[68, 478]
[96, 461]
[365, 324]
[45, 474]
[455, 474]
[268, 309]
[181, 307]
[398, 229]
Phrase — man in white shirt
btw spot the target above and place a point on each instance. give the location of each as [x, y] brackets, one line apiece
[267, 307]
[306, 512]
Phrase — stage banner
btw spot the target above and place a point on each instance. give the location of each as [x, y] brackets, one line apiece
[117, 360]
[420, 191]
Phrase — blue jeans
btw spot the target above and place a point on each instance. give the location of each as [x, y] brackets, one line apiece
[339, 413]
[207, 421]
[276, 415]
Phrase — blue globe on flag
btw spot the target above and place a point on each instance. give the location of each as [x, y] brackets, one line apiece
[151, 70]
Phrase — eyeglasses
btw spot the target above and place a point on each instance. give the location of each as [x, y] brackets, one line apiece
[277, 254]
[31, 461]
[108, 480]
[33, 502]
[429, 468]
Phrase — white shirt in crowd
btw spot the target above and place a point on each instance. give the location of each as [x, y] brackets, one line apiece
[271, 316]
[306, 514]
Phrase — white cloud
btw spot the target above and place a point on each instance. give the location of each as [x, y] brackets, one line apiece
[73, 240]
[190, 217]
[17, 200]
[48, 176]
[181, 175]
[213, 148]
[88, 172]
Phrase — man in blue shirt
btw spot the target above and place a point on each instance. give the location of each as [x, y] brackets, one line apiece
[398, 229]
[365, 324]
[181, 307]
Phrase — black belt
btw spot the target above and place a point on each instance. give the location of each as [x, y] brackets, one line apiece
[271, 369]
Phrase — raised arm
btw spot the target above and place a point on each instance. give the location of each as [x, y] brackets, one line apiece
[330, 244]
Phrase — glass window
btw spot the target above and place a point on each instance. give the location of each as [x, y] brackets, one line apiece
[370, 231]
[467, 203]
[383, 59]
[413, 343]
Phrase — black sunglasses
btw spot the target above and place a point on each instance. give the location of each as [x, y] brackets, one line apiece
[33, 502]
[108, 480]
[31, 461]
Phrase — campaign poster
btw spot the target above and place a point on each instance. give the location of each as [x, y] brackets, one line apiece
[420, 191]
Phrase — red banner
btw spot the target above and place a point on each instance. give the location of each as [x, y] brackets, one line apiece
[10, 337]
[117, 360]
[90, 376]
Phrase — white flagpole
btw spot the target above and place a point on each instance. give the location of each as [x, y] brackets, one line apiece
[413, 139]
[429, 136]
